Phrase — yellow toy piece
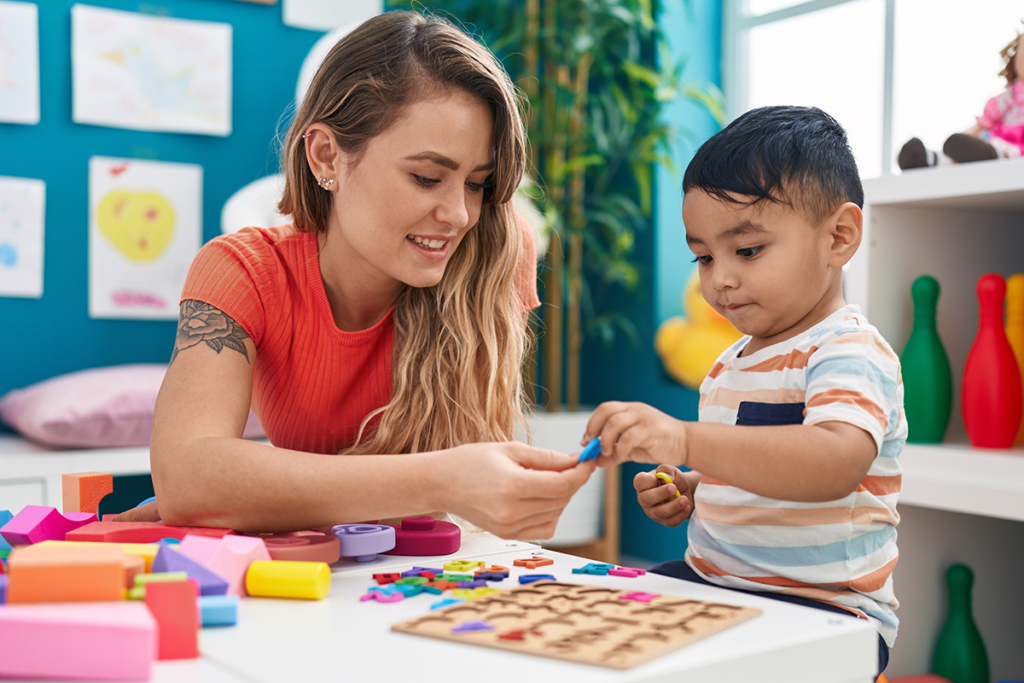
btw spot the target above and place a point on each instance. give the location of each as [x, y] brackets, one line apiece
[288, 579]
[473, 593]
[462, 565]
[667, 479]
[689, 345]
[147, 551]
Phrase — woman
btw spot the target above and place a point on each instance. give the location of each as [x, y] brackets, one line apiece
[387, 323]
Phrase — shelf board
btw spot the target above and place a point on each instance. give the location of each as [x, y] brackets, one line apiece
[996, 185]
[959, 478]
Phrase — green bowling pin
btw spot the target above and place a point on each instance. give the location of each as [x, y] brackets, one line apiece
[959, 652]
[927, 378]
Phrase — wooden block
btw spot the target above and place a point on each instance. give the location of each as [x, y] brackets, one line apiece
[587, 624]
[175, 608]
[111, 641]
[229, 556]
[147, 551]
[83, 491]
[139, 532]
[37, 523]
[65, 574]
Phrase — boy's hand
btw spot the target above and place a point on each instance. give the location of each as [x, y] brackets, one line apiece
[636, 432]
[659, 500]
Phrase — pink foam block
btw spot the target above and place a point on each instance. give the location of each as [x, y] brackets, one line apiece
[229, 556]
[37, 523]
[111, 641]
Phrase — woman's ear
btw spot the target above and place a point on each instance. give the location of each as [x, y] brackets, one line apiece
[846, 229]
[324, 156]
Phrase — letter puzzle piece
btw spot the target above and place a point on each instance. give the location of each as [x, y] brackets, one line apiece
[228, 556]
[288, 579]
[533, 562]
[37, 523]
[169, 559]
[66, 574]
[176, 609]
[592, 450]
[139, 532]
[364, 541]
[303, 546]
[426, 536]
[107, 641]
[82, 492]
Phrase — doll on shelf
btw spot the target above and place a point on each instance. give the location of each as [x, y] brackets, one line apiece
[999, 132]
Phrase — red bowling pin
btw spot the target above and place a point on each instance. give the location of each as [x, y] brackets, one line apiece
[991, 394]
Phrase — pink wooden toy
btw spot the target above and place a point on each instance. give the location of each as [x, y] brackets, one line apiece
[139, 532]
[108, 641]
[630, 572]
[37, 523]
[229, 556]
[303, 546]
[426, 536]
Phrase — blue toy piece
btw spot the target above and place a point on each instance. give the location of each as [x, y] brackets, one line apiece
[5, 516]
[447, 602]
[218, 610]
[530, 578]
[594, 568]
[592, 450]
[491, 576]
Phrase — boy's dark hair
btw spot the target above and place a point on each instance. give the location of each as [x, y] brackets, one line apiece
[798, 156]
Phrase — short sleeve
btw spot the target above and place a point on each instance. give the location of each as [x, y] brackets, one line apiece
[227, 274]
[855, 378]
[526, 271]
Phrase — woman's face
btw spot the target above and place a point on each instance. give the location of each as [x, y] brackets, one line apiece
[402, 209]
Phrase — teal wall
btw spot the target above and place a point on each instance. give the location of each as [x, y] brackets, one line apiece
[41, 338]
[629, 373]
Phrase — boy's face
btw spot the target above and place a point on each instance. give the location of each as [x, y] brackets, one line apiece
[764, 267]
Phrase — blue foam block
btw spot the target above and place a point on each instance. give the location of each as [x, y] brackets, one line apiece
[5, 516]
[170, 560]
[218, 610]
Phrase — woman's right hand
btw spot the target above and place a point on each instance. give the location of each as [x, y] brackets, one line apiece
[659, 500]
[511, 489]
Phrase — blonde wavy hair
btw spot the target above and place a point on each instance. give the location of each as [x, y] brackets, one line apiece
[459, 345]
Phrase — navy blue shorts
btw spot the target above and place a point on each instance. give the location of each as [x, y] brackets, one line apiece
[678, 569]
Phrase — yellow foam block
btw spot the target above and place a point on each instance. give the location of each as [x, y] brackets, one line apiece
[147, 551]
[288, 579]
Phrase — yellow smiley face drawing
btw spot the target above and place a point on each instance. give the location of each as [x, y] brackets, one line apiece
[139, 224]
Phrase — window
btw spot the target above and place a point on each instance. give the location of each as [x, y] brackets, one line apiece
[887, 70]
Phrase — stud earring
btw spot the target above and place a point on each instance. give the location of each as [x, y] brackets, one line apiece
[325, 183]
[306, 135]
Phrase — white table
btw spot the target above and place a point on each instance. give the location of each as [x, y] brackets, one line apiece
[342, 639]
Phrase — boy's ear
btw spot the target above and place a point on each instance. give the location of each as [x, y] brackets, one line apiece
[846, 229]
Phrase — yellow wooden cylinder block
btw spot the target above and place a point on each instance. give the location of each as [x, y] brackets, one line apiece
[288, 579]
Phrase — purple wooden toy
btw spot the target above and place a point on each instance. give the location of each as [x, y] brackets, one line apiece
[364, 541]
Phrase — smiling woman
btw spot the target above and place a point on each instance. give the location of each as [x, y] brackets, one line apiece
[387, 322]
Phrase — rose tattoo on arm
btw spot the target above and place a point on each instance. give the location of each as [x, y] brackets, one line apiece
[200, 322]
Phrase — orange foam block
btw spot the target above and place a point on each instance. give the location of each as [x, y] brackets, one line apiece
[68, 574]
[229, 556]
[110, 641]
[83, 491]
[175, 607]
[138, 532]
[37, 523]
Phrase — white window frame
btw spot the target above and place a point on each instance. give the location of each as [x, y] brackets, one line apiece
[736, 27]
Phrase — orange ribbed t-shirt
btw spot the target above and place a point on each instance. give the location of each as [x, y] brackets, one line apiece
[313, 384]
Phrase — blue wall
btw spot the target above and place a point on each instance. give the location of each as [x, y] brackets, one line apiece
[41, 338]
[629, 373]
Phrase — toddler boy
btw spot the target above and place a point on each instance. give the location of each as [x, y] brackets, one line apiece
[794, 471]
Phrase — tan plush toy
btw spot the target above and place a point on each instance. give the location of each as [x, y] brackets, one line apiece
[999, 132]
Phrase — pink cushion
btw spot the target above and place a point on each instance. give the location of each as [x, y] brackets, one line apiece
[97, 408]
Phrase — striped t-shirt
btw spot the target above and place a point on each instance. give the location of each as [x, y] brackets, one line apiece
[842, 551]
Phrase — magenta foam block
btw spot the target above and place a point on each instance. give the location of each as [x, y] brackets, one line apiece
[37, 523]
[110, 641]
[426, 536]
[364, 541]
[228, 556]
[168, 559]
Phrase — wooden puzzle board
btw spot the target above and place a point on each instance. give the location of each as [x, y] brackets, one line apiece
[586, 624]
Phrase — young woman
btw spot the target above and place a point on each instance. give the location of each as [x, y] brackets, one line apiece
[387, 323]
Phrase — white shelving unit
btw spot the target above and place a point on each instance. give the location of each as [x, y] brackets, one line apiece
[955, 223]
[957, 503]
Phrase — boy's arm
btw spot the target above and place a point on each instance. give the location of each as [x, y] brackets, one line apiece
[806, 463]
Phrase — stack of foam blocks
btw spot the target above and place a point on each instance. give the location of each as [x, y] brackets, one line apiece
[102, 600]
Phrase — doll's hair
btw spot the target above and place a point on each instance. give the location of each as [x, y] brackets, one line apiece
[1008, 54]
[795, 156]
[458, 345]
